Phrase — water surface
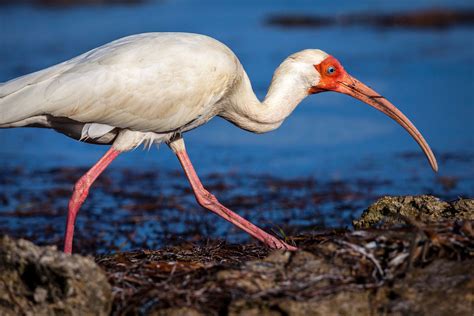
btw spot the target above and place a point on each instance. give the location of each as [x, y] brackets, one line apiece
[428, 74]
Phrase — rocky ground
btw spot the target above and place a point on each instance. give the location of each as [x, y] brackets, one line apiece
[409, 256]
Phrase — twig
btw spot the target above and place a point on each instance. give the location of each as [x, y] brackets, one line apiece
[362, 251]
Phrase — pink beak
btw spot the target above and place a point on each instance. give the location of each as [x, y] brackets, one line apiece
[351, 86]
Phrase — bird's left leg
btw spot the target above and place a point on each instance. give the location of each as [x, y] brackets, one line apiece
[209, 201]
[81, 190]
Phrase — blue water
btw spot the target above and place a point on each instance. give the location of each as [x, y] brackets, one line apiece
[428, 74]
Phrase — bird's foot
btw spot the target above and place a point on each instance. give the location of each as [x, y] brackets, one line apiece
[276, 243]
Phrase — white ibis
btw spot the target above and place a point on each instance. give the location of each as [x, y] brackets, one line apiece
[154, 87]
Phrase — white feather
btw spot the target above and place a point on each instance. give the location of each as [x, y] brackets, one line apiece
[95, 130]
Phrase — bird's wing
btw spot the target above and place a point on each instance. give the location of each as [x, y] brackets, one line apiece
[141, 83]
[17, 98]
[17, 84]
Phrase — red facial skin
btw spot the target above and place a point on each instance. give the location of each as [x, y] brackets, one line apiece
[328, 81]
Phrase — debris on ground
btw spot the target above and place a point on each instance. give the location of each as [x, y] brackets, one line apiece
[336, 272]
[43, 281]
[417, 267]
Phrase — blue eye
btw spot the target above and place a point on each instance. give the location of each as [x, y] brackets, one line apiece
[331, 70]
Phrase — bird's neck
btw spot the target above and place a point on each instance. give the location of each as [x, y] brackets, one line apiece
[247, 112]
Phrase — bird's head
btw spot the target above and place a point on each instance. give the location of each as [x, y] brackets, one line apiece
[322, 72]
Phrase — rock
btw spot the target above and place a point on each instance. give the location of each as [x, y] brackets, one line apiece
[176, 311]
[274, 274]
[256, 276]
[442, 288]
[464, 209]
[339, 304]
[43, 281]
[425, 208]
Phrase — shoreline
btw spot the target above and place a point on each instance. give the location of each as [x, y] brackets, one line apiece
[419, 262]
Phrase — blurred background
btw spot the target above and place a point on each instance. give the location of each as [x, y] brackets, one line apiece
[331, 158]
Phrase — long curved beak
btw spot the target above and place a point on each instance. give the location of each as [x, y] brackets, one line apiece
[351, 86]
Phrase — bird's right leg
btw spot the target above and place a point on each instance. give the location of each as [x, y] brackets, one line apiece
[81, 190]
[209, 201]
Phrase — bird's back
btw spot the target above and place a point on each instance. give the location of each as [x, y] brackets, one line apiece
[156, 82]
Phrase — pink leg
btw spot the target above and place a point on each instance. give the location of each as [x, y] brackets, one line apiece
[209, 201]
[81, 190]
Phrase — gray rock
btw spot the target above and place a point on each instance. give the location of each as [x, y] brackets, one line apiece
[43, 281]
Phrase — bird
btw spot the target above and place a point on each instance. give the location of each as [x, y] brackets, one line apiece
[152, 88]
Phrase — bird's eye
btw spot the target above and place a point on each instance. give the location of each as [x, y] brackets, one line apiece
[331, 70]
